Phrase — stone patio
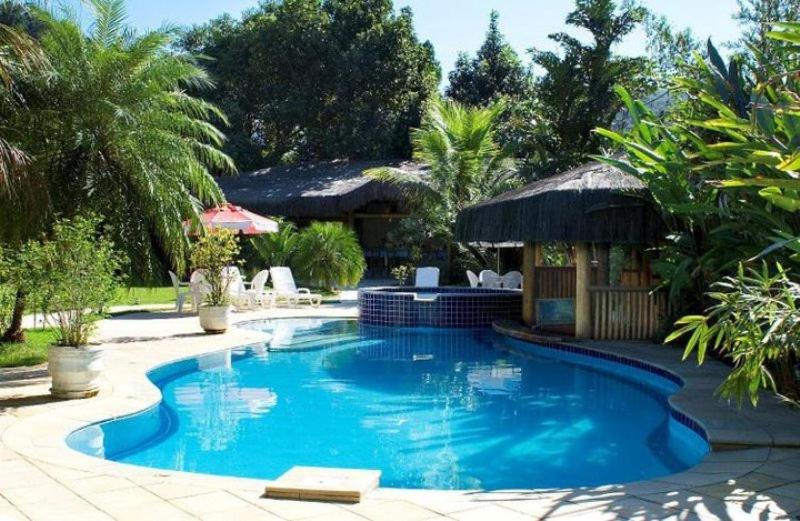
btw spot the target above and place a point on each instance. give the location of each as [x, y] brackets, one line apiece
[753, 473]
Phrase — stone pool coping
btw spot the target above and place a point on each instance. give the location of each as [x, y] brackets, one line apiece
[762, 477]
[772, 424]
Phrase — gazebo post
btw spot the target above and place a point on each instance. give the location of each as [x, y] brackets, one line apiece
[528, 282]
[583, 304]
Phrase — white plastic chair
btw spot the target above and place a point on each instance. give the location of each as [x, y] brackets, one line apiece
[474, 282]
[260, 296]
[285, 288]
[490, 279]
[180, 293]
[198, 289]
[237, 292]
[427, 277]
[512, 280]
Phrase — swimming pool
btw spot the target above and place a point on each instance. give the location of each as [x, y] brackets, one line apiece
[430, 407]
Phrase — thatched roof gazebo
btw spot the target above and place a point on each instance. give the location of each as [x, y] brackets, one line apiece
[332, 191]
[590, 207]
[315, 190]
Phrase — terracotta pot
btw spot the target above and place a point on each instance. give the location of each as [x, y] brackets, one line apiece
[214, 319]
[75, 371]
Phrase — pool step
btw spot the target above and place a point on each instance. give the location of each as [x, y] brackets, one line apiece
[315, 342]
[324, 484]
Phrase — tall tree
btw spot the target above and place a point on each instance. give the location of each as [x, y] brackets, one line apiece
[754, 17]
[575, 93]
[495, 71]
[111, 130]
[318, 79]
[19, 15]
[670, 49]
[467, 165]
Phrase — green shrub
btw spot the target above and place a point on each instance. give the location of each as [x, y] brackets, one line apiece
[756, 322]
[277, 249]
[329, 256]
[210, 254]
[74, 274]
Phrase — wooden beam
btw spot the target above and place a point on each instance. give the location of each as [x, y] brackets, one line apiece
[583, 303]
[528, 280]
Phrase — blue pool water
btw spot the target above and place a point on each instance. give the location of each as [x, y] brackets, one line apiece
[431, 408]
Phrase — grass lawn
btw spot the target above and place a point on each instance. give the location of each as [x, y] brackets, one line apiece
[140, 295]
[30, 352]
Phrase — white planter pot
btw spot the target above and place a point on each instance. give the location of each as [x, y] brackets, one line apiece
[75, 372]
[214, 319]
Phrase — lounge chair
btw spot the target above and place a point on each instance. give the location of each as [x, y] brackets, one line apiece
[181, 292]
[284, 288]
[261, 296]
[427, 277]
[512, 280]
[237, 292]
[474, 282]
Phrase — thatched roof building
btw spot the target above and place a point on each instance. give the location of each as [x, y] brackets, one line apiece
[592, 203]
[321, 190]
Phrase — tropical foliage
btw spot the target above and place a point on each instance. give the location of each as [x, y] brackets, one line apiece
[211, 254]
[755, 320]
[277, 249]
[466, 165]
[329, 256]
[107, 127]
[324, 254]
[74, 275]
[495, 72]
[575, 93]
[724, 171]
[318, 79]
[18, 54]
[111, 130]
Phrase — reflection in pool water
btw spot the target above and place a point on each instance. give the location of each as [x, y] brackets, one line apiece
[431, 408]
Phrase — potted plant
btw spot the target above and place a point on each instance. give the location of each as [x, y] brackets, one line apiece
[213, 252]
[74, 276]
[402, 273]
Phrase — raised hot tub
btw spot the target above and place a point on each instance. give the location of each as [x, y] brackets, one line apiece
[437, 307]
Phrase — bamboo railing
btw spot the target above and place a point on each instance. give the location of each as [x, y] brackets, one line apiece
[626, 313]
[554, 282]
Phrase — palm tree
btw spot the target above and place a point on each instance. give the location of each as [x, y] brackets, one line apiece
[329, 255]
[465, 164]
[113, 130]
[18, 53]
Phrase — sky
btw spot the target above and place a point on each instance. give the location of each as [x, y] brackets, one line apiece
[460, 25]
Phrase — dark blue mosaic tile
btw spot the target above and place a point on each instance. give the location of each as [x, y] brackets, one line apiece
[452, 306]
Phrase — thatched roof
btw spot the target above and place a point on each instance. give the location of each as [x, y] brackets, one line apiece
[592, 203]
[313, 190]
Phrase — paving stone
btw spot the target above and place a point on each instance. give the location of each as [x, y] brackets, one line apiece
[77, 509]
[117, 502]
[209, 503]
[37, 493]
[490, 512]
[99, 484]
[158, 510]
[167, 490]
[391, 511]
[247, 513]
[291, 510]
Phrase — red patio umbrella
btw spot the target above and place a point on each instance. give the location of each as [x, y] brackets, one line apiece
[236, 218]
